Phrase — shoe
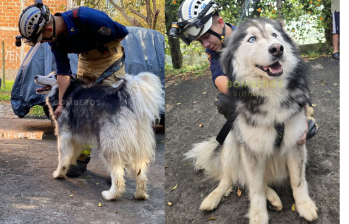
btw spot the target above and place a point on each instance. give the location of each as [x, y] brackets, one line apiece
[76, 170]
[312, 128]
[335, 55]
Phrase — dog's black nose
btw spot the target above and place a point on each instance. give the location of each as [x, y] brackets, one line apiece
[35, 77]
[277, 50]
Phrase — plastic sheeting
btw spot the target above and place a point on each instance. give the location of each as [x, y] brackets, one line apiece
[144, 49]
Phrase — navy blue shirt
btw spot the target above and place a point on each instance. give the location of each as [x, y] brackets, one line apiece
[96, 28]
[213, 59]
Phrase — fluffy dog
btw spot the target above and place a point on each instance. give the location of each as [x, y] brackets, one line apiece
[268, 82]
[116, 119]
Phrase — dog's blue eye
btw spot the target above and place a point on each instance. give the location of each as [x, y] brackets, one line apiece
[252, 39]
[274, 35]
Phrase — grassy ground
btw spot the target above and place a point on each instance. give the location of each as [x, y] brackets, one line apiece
[5, 96]
[187, 72]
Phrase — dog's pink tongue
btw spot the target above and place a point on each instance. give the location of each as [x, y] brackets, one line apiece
[276, 67]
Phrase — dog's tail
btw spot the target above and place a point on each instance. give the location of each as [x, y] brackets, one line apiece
[147, 95]
[207, 156]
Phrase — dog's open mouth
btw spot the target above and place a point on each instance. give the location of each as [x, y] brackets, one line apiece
[42, 89]
[272, 70]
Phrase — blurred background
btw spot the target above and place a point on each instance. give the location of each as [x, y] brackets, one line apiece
[308, 21]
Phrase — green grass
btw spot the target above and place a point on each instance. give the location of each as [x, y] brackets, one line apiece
[186, 72]
[5, 93]
[37, 111]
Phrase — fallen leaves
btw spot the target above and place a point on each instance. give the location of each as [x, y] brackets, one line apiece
[293, 208]
[204, 93]
[100, 204]
[139, 172]
[313, 105]
[169, 203]
[201, 125]
[174, 188]
[88, 176]
[178, 103]
[239, 192]
[212, 218]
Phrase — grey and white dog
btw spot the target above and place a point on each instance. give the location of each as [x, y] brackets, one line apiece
[115, 119]
[268, 82]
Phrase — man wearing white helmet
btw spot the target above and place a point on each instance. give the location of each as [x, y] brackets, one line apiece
[88, 32]
[199, 20]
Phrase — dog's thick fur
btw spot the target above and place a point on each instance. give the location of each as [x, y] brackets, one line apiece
[249, 155]
[115, 119]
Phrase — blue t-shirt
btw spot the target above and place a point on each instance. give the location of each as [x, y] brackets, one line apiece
[96, 28]
[213, 59]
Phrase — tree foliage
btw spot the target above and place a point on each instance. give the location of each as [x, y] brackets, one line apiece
[300, 16]
[141, 13]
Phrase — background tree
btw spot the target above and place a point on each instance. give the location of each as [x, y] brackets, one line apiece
[140, 13]
[173, 43]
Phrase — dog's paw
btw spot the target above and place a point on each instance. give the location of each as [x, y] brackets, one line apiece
[275, 204]
[210, 202]
[307, 210]
[57, 174]
[141, 195]
[109, 196]
[258, 217]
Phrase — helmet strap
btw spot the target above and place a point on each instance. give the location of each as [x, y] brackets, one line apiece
[53, 37]
[220, 37]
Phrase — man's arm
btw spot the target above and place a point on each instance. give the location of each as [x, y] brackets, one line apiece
[63, 82]
[221, 83]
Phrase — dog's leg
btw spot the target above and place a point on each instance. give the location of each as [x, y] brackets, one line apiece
[213, 199]
[117, 177]
[296, 164]
[65, 154]
[254, 170]
[76, 153]
[141, 183]
[274, 201]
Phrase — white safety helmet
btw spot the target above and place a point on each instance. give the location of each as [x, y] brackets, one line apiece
[32, 21]
[194, 19]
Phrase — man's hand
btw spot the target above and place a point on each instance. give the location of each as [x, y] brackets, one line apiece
[58, 112]
[303, 139]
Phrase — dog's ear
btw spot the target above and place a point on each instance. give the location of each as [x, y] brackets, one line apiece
[281, 22]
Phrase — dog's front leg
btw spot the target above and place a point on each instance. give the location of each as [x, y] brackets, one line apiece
[65, 153]
[254, 165]
[296, 160]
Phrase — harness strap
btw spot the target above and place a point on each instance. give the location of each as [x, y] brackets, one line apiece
[222, 135]
[226, 128]
[116, 66]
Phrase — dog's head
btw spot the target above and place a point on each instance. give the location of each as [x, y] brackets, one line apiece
[259, 48]
[46, 81]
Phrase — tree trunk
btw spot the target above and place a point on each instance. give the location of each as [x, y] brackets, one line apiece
[279, 7]
[176, 53]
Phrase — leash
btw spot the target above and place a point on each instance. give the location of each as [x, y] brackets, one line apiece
[116, 66]
[228, 126]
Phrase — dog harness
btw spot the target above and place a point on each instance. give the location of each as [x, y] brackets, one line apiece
[112, 69]
[222, 135]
